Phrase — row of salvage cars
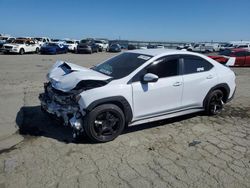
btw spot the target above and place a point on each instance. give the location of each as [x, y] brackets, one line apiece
[44, 45]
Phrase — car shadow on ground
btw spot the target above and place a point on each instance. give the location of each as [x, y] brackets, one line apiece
[31, 121]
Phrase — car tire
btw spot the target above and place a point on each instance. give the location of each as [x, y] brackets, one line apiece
[214, 102]
[37, 51]
[104, 123]
[21, 51]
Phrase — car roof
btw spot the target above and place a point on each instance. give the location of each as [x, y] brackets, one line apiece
[156, 52]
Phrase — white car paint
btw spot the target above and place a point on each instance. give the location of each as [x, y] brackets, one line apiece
[167, 97]
[15, 48]
[102, 44]
[72, 44]
[42, 40]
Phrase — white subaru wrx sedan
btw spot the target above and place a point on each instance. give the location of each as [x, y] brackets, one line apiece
[135, 87]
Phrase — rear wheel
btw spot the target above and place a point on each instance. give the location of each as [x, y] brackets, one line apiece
[214, 103]
[104, 123]
[37, 50]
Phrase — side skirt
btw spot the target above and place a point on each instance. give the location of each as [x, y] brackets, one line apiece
[165, 116]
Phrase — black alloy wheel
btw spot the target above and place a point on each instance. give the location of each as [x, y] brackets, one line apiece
[104, 123]
[215, 103]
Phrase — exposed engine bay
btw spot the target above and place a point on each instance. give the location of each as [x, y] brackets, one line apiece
[62, 102]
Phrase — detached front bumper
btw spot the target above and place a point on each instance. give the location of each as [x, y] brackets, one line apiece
[69, 113]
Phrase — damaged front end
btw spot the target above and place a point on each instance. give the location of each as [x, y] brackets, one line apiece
[63, 91]
[63, 106]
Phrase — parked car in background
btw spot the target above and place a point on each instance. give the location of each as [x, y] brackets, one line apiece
[234, 44]
[244, 46]
[72, 45]
[184, 46]
[54, 48]
[150, 46]
[87, 46]
[160, 46]
[57, 41]
[215, 47]
[21, 46]
[131, 47]
[201, 47]
[115, 48]
[233, 57]
[102, 45]
[5, 40]
[42, 40]
[135, 87]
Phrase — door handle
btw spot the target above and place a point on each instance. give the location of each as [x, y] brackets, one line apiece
[210, 76]
[177, 84]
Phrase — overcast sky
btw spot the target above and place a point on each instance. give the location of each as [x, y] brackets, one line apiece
[154, 20]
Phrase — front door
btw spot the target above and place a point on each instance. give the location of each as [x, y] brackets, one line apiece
[162, 96]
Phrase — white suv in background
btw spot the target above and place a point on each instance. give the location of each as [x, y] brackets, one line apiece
[102, 45]
[42, 40]
[135, 87]
[72, 45]
[21, 46]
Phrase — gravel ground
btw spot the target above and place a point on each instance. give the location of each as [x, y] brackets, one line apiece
[189, 151]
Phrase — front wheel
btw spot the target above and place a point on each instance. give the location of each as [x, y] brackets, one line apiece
[104, 123]
[37, 50]
[214, 103]
[21, 52]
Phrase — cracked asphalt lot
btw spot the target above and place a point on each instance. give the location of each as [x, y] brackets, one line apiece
[189, 151]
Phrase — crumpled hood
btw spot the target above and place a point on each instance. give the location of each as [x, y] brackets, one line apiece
[65, 76]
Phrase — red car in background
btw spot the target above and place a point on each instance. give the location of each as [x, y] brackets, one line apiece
[234, 57]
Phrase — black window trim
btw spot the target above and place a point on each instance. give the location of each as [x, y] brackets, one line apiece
[163, 57]
[181, 61]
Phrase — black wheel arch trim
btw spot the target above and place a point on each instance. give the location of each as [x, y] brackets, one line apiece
[223, 86]
[120, 101]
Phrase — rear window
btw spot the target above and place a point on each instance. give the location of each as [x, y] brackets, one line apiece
[194, 64]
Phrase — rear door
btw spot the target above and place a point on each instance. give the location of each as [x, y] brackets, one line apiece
[199, 76]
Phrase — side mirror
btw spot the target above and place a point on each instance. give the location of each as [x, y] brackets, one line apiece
[149, 77]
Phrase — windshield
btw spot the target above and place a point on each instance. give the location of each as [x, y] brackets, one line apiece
[84, 41]
[18, 41]
[55, 40]
[98, 41]
[115, 46]
[225, 52]
[69, 42]
[3, 38]
[39, 39]
[122, 65]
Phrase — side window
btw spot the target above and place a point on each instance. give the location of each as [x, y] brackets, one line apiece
[240, 54]
[164, 67]
[193, 64]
